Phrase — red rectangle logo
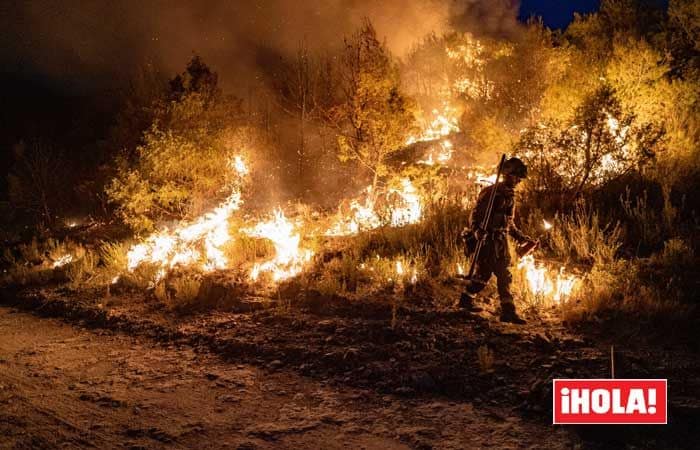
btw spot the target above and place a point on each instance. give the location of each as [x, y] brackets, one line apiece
[610, 401]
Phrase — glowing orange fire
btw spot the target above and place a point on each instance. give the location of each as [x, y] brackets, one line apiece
[197, 243]
[443, 156]
[406, 208]
[443, 123]
[289, 259]
[62, 261]
[411, 210]
[542, 283]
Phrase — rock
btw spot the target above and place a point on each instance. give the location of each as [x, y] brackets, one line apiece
[404, 390]
[276, 364]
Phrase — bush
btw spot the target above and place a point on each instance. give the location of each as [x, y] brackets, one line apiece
[82, 270]
[114, 259]
[649, 226]
[184, 162]
[177, 176]
[179, 292]
[581, 238]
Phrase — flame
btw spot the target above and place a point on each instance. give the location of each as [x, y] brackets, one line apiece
[401, 272]
[363, 215]
[546, 225]
[480, 177]
[188, 244]
[541, 283]
[289, 259]
[460, 269]
[412, 211]
[443, 156]
[238, 165]
[443, 123]
[196, 243]
[63, 260]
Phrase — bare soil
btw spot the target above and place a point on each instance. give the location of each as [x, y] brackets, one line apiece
[123, 371]
[64, 387]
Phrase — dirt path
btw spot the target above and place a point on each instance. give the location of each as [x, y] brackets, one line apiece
[64, 387]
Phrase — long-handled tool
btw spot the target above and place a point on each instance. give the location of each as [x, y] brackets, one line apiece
[485, 221]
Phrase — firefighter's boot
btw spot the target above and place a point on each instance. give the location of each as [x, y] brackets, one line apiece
[509, 315]
[466, 302]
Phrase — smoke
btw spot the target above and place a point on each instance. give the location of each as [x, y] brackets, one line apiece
[91, 44]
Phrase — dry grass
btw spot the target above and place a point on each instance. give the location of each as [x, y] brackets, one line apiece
[179, 292]
[83, 270]
[582, 238]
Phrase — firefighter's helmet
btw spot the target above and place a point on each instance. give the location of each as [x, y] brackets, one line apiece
[515, 166]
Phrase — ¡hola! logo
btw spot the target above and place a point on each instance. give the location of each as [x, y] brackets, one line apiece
[610, 401]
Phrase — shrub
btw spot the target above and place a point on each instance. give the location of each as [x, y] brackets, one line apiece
[114, 258]
[649, 225]
[31, 252]
[178, 292]
[186, 289]
[580, 237]
[183, 164]
[82, 270]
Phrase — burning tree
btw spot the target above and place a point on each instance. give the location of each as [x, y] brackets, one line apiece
[599, 144]
[183, 163]
[374, 117]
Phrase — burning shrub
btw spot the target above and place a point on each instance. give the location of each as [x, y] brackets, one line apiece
[599, 144]
[114, 259]
[183, 164]
[177, 176]
[374, 118]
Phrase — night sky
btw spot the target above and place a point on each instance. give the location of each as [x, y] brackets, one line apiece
[556, 13]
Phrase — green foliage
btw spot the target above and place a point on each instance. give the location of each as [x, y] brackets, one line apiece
[601, 143]
[374, 118]
[183, 164]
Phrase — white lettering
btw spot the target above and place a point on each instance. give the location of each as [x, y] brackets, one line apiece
[600, 401]
[636, 402]
[580, 401]
[617, 407]
[652, 401]
[565, 401]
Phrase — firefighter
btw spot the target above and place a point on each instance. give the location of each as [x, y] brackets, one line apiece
[494, 257]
